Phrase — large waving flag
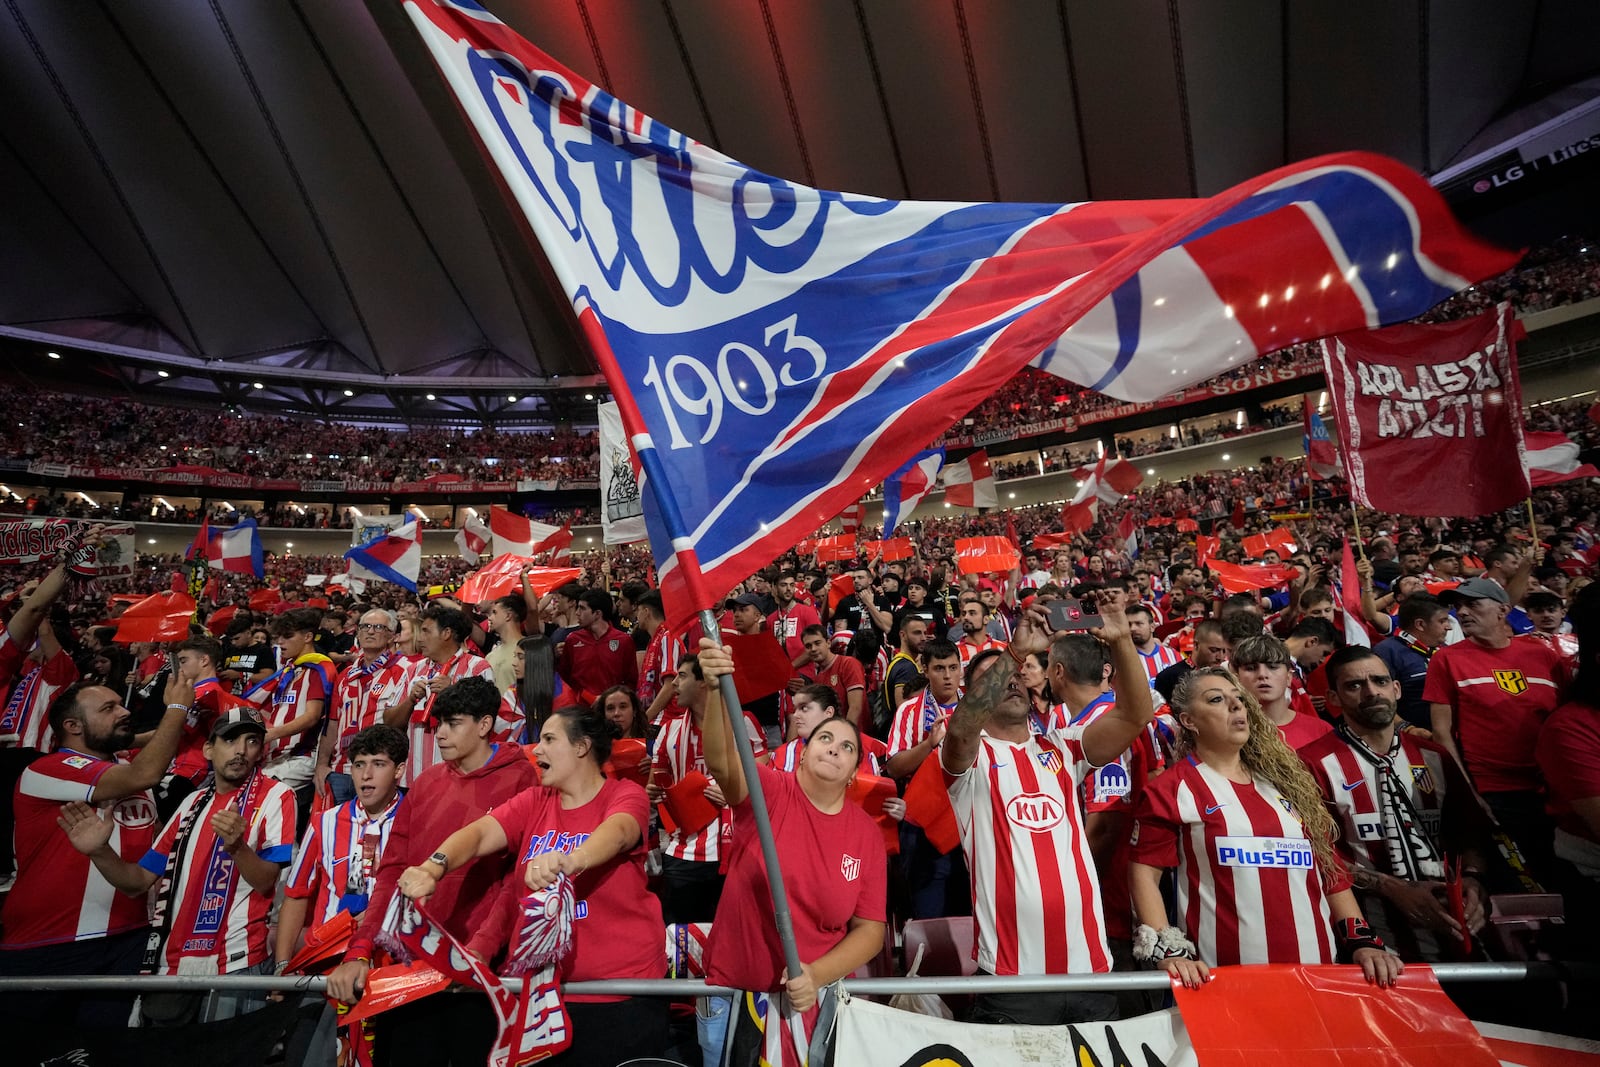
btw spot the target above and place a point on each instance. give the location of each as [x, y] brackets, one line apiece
[395, 557]
[237, 548]
[907, 487]
[1322, 458]
[517, 534]
[969, 483]
[777, 350]
[1112, 479]
[1553, 457]
[472, 540]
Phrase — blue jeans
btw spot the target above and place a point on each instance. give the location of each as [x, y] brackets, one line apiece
[711, 1018]
[341, 787]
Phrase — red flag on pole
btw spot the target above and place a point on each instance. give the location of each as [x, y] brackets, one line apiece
[1413, 401]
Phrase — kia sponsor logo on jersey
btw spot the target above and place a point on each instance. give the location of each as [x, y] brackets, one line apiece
[1284, 852]
[135, 812]
[1035, 811]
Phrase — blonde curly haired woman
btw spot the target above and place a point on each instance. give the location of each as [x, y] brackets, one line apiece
[1240, 820]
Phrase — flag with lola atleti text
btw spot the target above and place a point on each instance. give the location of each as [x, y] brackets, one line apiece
[777, 350]
[1414, 401]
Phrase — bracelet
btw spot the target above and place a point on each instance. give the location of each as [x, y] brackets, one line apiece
[1354, 935]
[177, 707]
[1152, 947]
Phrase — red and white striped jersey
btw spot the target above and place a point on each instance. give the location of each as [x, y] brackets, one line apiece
[355, 699]
[25, 721]
[1440, 796]
[1035, 891]
[11, 656]
[678, 751]
[786, 757]
[1249, 890]
[59, 896]
[217, 915]
[914, 718]
[1156, 661]
[308, 679]
[661, 658]
[339, 859]
[967, 649]
[424, 749]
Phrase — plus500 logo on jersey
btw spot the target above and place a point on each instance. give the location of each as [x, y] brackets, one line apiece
[1264, 852]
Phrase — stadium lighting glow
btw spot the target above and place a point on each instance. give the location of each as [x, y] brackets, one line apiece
[288, 544]
[473, 512]
[355, 511]
[1392, 261]
[1226, 457]
[1172, 431]
[87, 499]
[258, 385]
[430, 396]
[1158, 301]
[1322, 401]
[1288, 294]
[229, 506]
[150, 540]
[348, 392]
[162, 374]
[512, 399]
[53, 355]
[1149, 470]
[1327, 280]
[1011, 496]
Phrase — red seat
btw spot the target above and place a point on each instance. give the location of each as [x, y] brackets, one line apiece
[948, 946]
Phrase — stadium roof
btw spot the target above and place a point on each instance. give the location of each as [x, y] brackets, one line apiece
[203, 197]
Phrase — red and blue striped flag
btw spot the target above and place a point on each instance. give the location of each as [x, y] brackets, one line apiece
[777, 350]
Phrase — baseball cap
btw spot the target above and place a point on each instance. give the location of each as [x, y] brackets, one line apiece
[1476, 589]
[235, 719]
[751, 600]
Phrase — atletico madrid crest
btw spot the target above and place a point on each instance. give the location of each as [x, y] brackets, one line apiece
[850, 867]
[1050, 760]
[1423, 777]
[1511, 680]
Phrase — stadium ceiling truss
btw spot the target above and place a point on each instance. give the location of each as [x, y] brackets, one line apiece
[201, 197]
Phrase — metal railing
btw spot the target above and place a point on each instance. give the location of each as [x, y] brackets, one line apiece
[678, 987]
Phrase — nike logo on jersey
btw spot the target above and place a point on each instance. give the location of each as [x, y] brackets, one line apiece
[1214, 808]
[998, 766]
[1351, 785]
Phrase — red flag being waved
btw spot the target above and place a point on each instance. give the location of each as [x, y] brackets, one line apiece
[969, 483]
[1244, 578]
[986, 555]
[1430, 416]
[1112, 479]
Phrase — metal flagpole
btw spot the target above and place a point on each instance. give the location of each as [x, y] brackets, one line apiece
[758, 806]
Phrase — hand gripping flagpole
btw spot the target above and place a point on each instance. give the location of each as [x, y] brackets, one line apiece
[694, 582]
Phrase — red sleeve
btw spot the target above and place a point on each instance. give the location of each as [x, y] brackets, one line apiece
[59, 669]
[1155, 825]
[852, 674]
[514, 817]
[306, 873]
[1569, 753]
[628, 798]
[1439, 688]
[872, 897]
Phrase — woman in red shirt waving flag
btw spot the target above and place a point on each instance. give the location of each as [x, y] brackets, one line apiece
[1241, 821]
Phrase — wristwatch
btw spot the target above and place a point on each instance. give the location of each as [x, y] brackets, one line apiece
[442, 860]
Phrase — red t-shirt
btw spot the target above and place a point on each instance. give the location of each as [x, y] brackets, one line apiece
[787, 626]
[593, 664]
[1500, 696]
[834, 869]
[842, 675]
[618, 932]
[1302, 730]
[59, 896]
[1569, 754]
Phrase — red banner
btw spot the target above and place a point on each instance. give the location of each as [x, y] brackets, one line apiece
[1327, 1016]
[1247, 579]
[890, 550]
[835, 549]
[1280, 540]
[1415, 402]
[985, 555]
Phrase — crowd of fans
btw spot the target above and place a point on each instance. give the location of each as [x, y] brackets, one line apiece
[306, 710]
[122, 434]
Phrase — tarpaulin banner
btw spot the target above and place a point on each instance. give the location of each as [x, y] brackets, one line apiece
[835, 549]
[1413, 402]
[890, 550]
[1243, 578]
[1321, 1016]
[985, 555]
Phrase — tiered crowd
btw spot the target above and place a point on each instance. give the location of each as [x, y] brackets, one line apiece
[85, 431]
[1106, 756]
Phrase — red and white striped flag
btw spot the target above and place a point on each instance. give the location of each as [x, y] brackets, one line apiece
[1355, 631]
[517, 534]
[1553, 457]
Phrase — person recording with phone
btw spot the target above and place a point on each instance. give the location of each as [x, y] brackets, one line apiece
[1010, 788]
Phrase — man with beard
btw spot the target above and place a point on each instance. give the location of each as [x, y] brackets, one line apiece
[790, 619]
[974, 631]
[217, 863]
[62, 916]
[1404, 809]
